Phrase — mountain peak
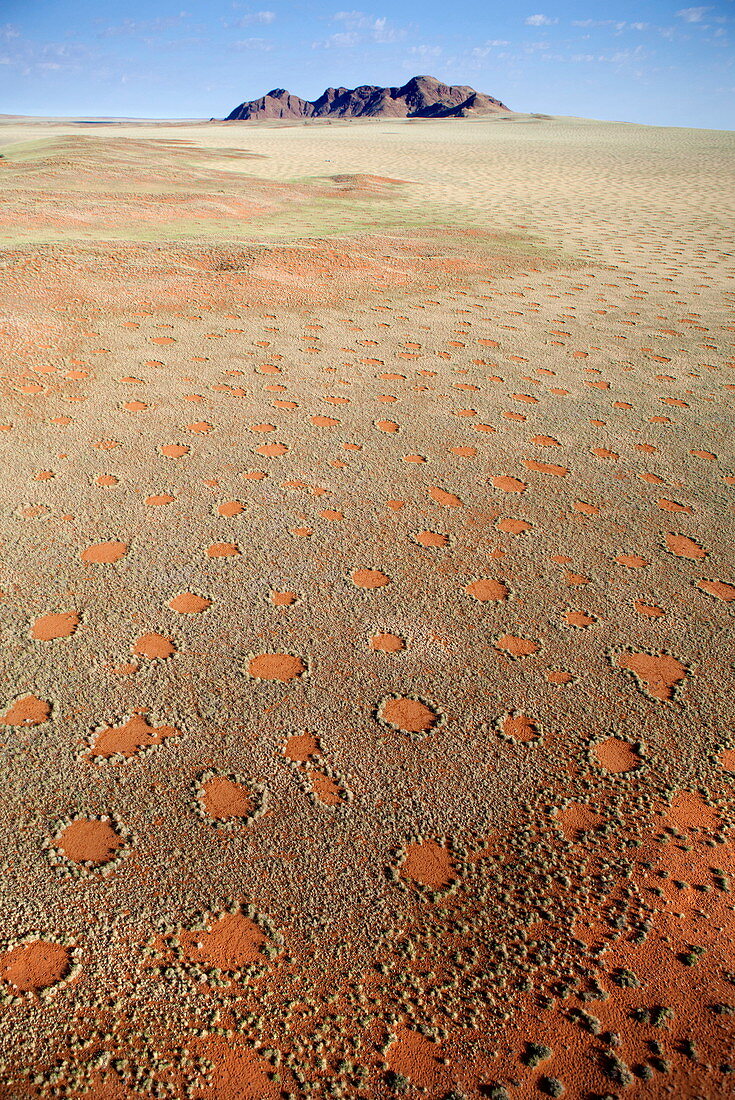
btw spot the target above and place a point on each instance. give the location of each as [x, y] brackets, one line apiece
[420, 97]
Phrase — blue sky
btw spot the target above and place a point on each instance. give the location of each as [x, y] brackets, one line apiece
[652, 62]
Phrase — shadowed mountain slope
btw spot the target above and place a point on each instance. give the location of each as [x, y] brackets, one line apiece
[421, 97]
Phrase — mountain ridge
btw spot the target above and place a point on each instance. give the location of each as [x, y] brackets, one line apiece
[420, 97]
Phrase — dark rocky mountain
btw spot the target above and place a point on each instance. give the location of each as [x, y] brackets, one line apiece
[421, 97]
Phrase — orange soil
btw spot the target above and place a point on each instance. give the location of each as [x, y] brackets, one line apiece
[387, 643]
[230, 942]
[409, 715]
[428, 863]
[153, 645]
[129, 738]
[222, 798]
[659, 674]
[411, 543]
[487, 589]
[276, 666]
[616, 755]
[88, 841]
[60, 624]
[104, 553]
[35, 965]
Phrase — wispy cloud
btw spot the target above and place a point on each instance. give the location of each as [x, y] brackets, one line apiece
[617, 25]
[478, 52]
[359, 29]
[374, 27]
[425, 52]
[539, 21]
[28, 58]
[693, 15]
[343, 40]
[259, 45]
[142, 28]
[261, 18]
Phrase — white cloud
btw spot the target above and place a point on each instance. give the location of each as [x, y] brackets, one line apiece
[618, 25]
[28, 57]
[425, 52]
[539, 21]
[141, 27]
[259, 44]
[376, 27]
[360, 28]
[359, 21]
[693, 15]
[341, 41]
[484, 50]
[262, 17]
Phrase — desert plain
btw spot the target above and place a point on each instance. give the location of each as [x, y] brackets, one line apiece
[367, 588]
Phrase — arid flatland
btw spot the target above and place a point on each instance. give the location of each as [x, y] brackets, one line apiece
[366, 605]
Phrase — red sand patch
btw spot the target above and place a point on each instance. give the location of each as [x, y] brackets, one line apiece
[129, 738]
[441, 496]
[61, 624]
[487, 589]
[232, 941]
[684, 547]
[222, 798]
[34, 966]
[88, 841]
[429, 864]
[408, 715]
[512, 526]
[585, 508]
[517, 647]
[431, 539]
[326, 788]
[631, 561]
[580, 619]
[509, 484]
[283, 599]
[28, 711]
[154, 646]
[577, 818]
[651, 611]
[521, 728]
[657, 674]
[387, 643]
[239, 1073]
[545, 467]
[727, 759]
[187, 603]
[719, 589]
[689, 811]
[104, 553]
[302, 747]
[415, 1057]
[223, 550]
[230, 508]
[276, 666]
[369, 578]
[175, 450]
[616, 755]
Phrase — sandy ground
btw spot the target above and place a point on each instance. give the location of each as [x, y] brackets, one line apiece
[367, 589]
